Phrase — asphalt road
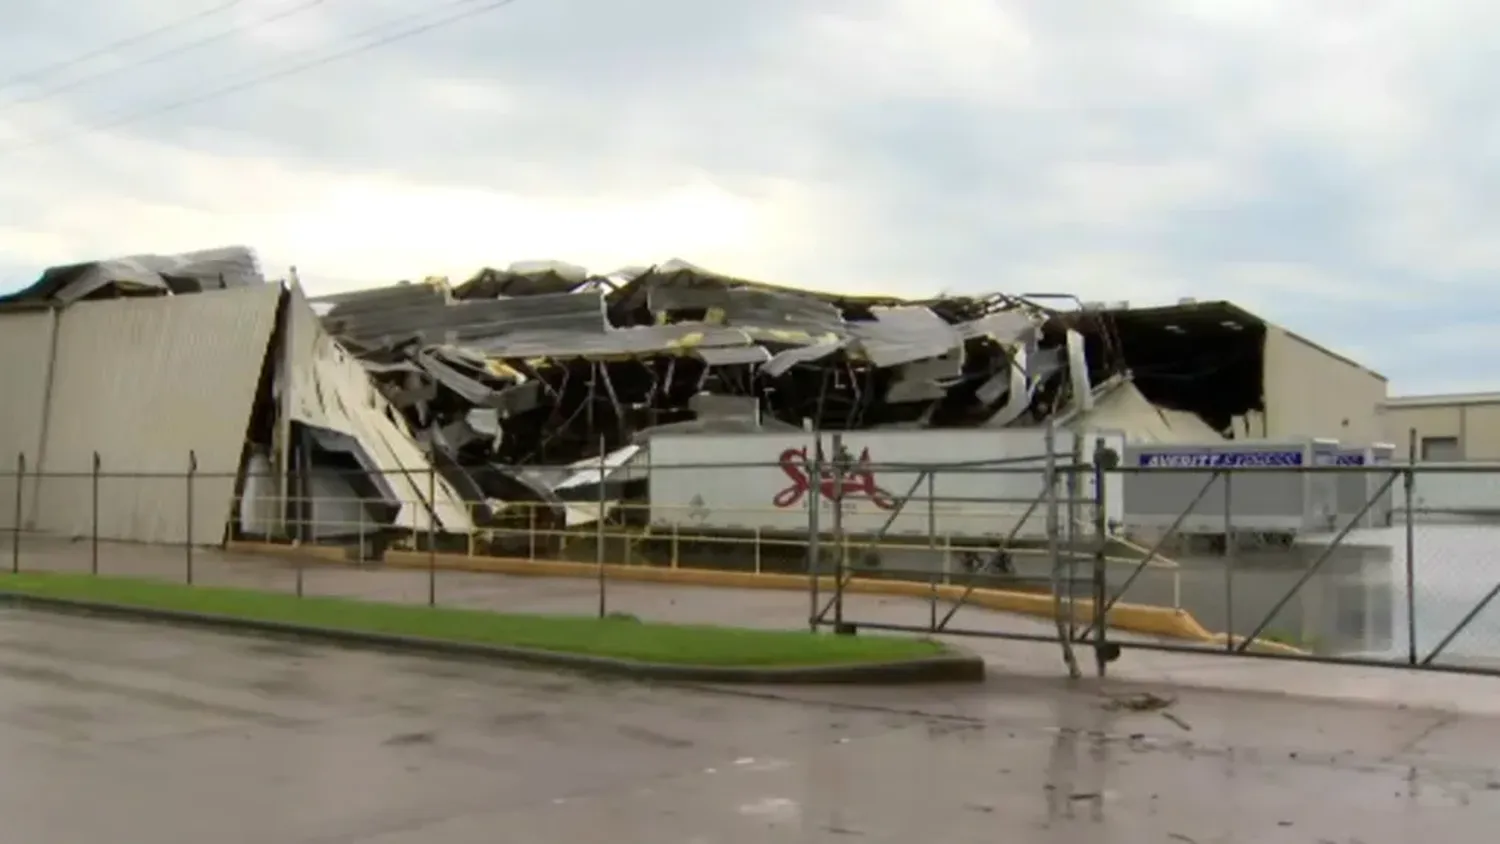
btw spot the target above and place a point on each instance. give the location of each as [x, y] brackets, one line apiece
[132, 733]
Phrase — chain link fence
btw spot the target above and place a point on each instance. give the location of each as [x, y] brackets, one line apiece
[842, 542]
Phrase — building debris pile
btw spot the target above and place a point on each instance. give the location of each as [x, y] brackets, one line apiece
[519, 383]
[546, 364]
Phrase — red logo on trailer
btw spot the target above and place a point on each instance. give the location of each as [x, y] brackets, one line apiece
[859, 480]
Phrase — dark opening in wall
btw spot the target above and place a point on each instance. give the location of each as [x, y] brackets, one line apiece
[1205, 358]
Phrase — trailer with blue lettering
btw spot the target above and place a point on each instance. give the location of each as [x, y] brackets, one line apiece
[1258, 482]
[1355, 487]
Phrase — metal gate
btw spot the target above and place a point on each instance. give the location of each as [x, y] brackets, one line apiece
[1263, 596]
[1072, 552]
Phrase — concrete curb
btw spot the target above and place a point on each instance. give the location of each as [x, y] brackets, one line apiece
[1145, 619]
[958, 666]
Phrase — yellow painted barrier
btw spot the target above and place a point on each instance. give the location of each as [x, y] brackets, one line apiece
[1144, 619]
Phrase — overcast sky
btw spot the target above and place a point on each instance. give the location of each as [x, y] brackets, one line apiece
[1331, 165]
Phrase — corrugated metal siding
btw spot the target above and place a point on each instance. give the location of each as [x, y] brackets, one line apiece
[1310, 393]
[25, 346]
[331, 390]
[144, 382]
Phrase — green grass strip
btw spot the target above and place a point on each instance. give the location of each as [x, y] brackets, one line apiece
[618, 638]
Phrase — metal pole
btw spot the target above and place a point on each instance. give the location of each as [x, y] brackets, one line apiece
[599, 535]
[1229, 560]
[15, 535]
[814, 551]
[1101, 537]
[432, 535]
[1409, 483]
[1070, 535]
[840, 467]
[932, 513]
[188, 531]
[94, 518]
[1049, 479]
[297, 558]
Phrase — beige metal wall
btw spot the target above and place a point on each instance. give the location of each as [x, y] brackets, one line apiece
[25, 348]
[143, 382]
[1476, 426]
[1311, 392]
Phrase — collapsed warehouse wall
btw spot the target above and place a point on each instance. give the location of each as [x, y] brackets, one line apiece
[342, 436]
[152, 362]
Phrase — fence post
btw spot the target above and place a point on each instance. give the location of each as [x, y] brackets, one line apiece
[297, 565]
[1101, 551]
[531, 532]
[188, 529]
[932, 513]
[1054, 551]
[814, 531]
[840, 468]
[432, 535]
[15, 535]
[1229, 560]
[599, 535]
[94, 517]
[1070, 535]
[1409, 483]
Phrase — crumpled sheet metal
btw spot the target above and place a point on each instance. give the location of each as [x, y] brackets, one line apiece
[187, 272]
[616, 355]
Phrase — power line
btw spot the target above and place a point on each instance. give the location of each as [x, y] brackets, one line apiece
[272, 76]
[47, 70]
[172, 52]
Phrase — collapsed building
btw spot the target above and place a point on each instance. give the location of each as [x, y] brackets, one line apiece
[431, 406]
[542, 364]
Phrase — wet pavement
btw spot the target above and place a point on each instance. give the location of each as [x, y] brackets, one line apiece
[133, 733]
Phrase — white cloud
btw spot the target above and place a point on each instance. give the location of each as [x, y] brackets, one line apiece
[1307, 160]
[471, 95]
[1125, 196]
[975, 50]
[380, 227]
